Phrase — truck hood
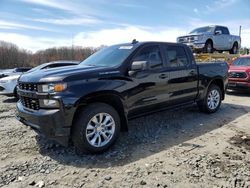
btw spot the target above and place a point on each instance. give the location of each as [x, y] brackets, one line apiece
[191, 35]
[62, 74]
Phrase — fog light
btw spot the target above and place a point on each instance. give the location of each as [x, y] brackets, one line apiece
[48, 103]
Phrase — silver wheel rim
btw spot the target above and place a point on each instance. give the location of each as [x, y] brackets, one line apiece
[100, 130]
[213, 99]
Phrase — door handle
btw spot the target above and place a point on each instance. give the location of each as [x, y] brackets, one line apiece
[163, 76]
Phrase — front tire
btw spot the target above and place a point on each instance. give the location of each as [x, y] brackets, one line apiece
[208, 48]
[212, 101]
[96, 128]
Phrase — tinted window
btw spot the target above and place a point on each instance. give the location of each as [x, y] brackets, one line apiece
[218, 29]
[151, 54]
[176, 56]
[21, 69]
[225, 30]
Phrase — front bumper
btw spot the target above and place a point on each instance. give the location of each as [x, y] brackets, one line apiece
[238, 85]
[196, 46]
[52, 123]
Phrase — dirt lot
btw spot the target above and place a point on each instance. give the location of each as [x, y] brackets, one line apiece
[181, 148]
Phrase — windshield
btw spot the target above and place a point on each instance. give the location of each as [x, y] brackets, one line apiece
[202, 30]
[242, 62]
[109, 57]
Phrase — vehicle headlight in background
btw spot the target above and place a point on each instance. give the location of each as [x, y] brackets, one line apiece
[197, 38]
[48, 103]
[51, 88]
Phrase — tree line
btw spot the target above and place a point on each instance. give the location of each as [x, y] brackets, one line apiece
[12, 56]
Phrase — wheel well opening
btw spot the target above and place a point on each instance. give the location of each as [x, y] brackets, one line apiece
[210, 40]
[109, 99]
[220, 84]
[235, 43]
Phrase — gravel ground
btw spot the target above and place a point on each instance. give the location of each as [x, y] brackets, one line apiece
[178, 148]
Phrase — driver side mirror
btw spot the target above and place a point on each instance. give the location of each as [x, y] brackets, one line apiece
[218, 32]
[138, 66]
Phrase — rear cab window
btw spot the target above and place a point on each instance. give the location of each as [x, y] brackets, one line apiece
[176, 56]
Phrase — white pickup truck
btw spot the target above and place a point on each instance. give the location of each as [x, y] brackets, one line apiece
[211, 38]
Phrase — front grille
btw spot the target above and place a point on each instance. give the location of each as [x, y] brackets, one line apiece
[28, 86]
[186, 39]
[237, 75]
[30, 103]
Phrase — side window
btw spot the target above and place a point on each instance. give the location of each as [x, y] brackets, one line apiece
[225, 31]
[218, 29]
[177, 56]
[151, 54]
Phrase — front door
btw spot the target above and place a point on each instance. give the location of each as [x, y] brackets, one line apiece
[149, 87]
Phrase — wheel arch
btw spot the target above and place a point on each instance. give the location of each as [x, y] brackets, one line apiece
[216, 81]
[219, 82]
[235, 42]
[211, 40]
[111, 98]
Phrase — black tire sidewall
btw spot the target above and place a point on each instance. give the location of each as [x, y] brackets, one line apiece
[232, 50]
[235, 46]
[206, 45]
[79, 128]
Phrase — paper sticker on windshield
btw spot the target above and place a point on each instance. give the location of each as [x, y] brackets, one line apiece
[125, 47]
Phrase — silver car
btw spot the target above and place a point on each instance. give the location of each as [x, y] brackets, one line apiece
[211, 38]
[8, 84]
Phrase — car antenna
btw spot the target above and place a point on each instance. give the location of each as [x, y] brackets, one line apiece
[134, 41]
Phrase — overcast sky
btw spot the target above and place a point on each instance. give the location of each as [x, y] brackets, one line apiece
[40, 24]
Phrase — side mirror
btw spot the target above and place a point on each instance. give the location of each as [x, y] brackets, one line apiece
[138, 66]
[218, 32]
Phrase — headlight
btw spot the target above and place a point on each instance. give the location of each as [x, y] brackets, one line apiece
[51, 88]
[48, 103]
[197, 38]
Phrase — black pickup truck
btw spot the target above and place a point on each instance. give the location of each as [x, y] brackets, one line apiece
[89, 104]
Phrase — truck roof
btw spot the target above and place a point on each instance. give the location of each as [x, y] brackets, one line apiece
[152, 42]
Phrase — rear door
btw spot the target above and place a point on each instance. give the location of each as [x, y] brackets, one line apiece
[183, 74]
[148, 89]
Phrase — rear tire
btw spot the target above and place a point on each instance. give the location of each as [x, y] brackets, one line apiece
[96, 128]
[212, 101]
[234, 49]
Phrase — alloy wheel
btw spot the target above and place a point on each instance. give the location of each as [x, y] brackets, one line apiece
[213, 99]
[100, 129]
